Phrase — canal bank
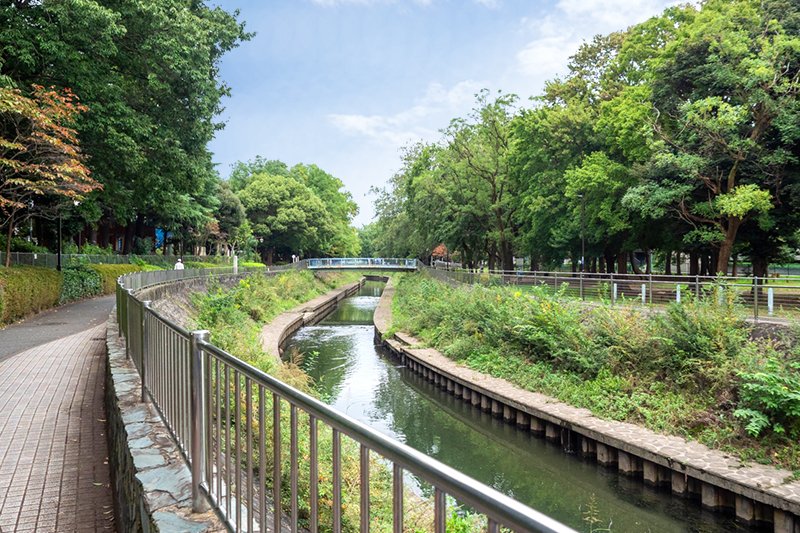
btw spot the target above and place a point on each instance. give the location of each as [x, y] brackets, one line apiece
[755, 494]
[357, 377]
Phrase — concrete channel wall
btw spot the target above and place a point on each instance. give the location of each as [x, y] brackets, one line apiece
[757, 494]
[275, 334]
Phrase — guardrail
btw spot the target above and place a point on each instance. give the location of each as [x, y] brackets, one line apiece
[393, 263]
[765, 297]
[218, 408]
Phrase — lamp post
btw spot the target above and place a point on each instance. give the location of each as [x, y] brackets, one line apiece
[76, 203]
[583, 240]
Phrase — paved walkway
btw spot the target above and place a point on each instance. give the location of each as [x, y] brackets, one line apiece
[54, 473]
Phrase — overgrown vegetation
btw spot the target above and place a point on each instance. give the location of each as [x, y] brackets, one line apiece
[692, 370]
[80, 281]
[235, 317]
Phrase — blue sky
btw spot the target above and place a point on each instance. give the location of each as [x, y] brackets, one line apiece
[345, 84]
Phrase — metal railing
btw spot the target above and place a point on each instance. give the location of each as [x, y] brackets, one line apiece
[764, 297]
[393, 263]
[229, 418]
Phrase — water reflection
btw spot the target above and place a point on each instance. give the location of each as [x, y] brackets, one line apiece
[352, 375]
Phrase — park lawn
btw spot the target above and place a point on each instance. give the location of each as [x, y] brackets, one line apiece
[691, 371]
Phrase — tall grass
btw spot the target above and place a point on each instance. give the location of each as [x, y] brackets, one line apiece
[692, 370]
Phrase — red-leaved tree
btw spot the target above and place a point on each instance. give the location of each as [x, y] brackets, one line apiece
[40, 155]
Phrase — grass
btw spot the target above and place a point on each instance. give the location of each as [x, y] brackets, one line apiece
[692, 370]
[235, 318]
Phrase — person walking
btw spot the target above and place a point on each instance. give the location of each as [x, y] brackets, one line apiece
[179, 264]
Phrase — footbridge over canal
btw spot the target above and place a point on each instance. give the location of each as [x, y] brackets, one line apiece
[362, 263]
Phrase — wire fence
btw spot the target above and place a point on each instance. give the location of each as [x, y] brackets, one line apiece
[762, 297]
[49, 260]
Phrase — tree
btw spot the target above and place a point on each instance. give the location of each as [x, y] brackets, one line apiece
[285, 214]
[148, 71]
[726, 97]
[39, 153]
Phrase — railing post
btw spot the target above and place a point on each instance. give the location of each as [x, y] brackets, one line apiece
[235, 264]
[198, 414]
[755, 298]
[651, 288]
[697, 287]
[581, 275]
[128, 297]
[144, 341]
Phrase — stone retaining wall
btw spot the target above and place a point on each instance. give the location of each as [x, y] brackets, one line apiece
[274, 334]
[757, 494]
[151, 481]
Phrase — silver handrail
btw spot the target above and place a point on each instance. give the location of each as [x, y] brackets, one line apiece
[192, 384]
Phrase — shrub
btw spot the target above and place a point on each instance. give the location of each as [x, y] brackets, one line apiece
[79, 282]
[200, 264]
[27, 290]
[21, 245]
[769, 399]
[110, 273]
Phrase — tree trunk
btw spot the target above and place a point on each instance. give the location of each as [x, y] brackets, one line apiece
[622, 263]
[127, 245]
[704, 261]
[668, 262]
[735, 264]
[609, 263]
[760, 266]
[104, 227]
[268, 256]
[593, 265]
[714, 263]
[726, 248]
[636, 269]
[678, 262]
[694, 268]
[8, 240]
[648, 262]
[506, 256]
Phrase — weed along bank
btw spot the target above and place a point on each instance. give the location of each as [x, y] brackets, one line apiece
[243, 448]
[746, 492]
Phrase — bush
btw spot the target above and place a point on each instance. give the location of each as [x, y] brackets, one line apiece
[200, 264]
[79, 282]
[27, 290]
[109, 274]
[769, 399]
[21, 245]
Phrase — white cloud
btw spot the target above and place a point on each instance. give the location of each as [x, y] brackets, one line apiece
[419, 121]
[559, 34]
[491, 4]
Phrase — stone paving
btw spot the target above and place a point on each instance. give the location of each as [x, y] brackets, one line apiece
[54, 473]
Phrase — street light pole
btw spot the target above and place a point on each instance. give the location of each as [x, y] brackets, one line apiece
[583, 236]
[58, 264]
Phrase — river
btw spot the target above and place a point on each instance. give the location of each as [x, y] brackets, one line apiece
[358, 378]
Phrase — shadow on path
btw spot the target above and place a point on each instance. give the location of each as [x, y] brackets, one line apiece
[54, 324]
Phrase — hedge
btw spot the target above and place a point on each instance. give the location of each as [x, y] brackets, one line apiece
[26, 290]
[110, 273]
[79, 282]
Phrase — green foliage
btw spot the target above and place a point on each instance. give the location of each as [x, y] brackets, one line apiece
[680, 371]
[769, 398]
[27, 290]
[22, 245]
[109, 274]
[80, 281]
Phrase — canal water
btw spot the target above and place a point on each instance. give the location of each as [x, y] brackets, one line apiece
[358, 378]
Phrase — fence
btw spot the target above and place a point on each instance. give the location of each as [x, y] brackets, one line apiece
[763, 297]
[363, 262]
[51, 260]
[219, 408]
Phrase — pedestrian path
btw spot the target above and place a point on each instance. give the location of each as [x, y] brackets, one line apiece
[54, 473]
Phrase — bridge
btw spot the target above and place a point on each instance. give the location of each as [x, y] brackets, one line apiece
[362, 263]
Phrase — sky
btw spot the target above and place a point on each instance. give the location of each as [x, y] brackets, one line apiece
[345, 84]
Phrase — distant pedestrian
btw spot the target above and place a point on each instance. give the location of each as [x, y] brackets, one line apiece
[179, 264]
[293, 258]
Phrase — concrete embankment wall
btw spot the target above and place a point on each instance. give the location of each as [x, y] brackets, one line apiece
[757, 494]
[275, 334]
